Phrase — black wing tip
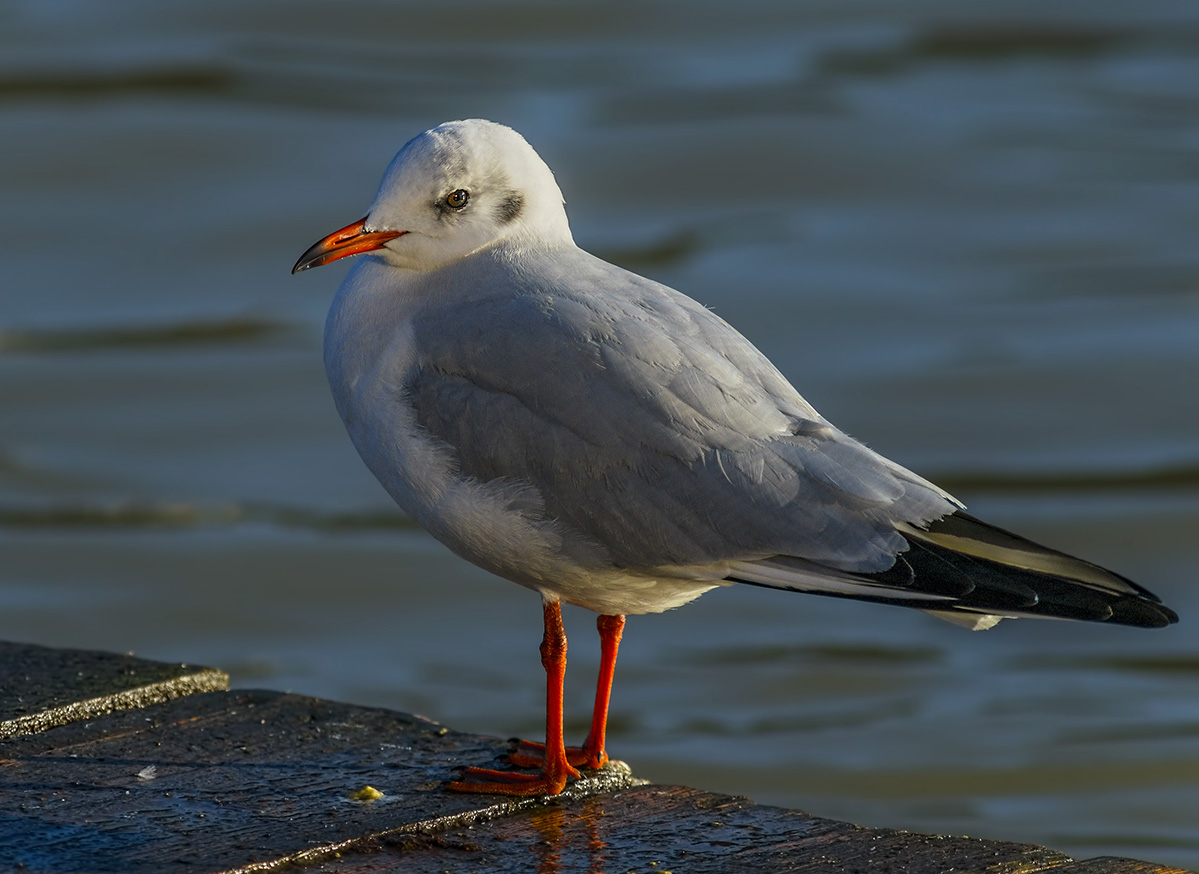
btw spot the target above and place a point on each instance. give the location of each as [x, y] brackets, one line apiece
[1056, 595]
[1141, 613]
[965, 580]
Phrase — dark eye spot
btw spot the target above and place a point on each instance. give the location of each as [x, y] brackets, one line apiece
[457, 199]
[510, 207]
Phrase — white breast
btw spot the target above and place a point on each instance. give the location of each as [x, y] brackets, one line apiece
[370, 351]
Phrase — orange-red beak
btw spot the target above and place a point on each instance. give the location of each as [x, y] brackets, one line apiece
[351, 240]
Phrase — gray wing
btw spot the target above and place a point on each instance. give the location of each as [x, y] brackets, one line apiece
[651, 427]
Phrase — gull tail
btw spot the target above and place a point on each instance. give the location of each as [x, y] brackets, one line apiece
[972, 573]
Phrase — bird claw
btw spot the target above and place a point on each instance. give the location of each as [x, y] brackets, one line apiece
[508, 783]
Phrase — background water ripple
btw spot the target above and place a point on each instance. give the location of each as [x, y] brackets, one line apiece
[967, 232]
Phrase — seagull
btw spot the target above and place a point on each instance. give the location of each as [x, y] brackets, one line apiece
[606, 441]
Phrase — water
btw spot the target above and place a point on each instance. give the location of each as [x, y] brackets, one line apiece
[966, 233]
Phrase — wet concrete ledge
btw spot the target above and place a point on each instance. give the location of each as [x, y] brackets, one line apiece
[110, 763]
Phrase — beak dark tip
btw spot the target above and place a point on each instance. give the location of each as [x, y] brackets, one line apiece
[314, 257]
[351, 240]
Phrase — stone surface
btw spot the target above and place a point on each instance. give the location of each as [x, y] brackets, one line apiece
[42, 687]
[222, 779]
[679, 830]
[109, 763]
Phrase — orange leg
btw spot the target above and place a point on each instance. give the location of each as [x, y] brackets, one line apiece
[592, 753]
[555, 769]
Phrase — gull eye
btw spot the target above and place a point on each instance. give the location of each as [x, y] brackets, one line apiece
[457, 199]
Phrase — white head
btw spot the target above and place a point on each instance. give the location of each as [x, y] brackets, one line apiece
[453, 190]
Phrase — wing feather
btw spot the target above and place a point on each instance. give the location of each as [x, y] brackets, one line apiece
[650, 428]
[657, 430]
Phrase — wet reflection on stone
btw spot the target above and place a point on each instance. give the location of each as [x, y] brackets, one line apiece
[581, 844]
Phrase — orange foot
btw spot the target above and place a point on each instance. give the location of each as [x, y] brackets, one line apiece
[579, 757]
[550, 781]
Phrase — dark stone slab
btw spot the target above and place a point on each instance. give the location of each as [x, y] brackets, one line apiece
[220, 780]
[42, 687]
[1117, 865]
[675, 829]
[251, 781]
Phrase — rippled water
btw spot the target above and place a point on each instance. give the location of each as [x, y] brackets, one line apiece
[967, 232]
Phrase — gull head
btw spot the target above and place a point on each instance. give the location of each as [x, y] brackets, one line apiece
[458, 188]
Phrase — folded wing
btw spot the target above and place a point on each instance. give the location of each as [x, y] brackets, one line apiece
[652, 429]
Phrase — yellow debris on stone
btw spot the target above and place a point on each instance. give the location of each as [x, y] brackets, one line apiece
[366, 794]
